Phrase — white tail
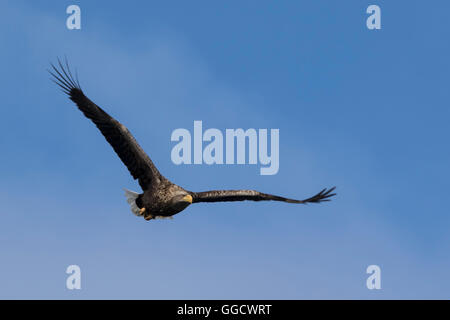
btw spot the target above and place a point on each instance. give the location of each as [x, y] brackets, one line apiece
[131, 199]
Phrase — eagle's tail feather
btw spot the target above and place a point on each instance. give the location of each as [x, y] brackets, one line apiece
[131, 199]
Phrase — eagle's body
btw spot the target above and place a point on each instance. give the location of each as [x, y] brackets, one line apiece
[160, 198]
[157, 199]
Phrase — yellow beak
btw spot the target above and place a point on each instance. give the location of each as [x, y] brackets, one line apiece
[187, 198]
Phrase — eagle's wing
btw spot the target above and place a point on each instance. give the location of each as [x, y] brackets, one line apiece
[241, 195]
[137, 161]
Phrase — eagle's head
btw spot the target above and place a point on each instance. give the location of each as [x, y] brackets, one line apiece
[180, 201]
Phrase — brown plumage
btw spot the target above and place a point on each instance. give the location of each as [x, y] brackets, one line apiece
[160, 197]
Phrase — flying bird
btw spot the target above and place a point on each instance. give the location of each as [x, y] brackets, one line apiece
[160, 198]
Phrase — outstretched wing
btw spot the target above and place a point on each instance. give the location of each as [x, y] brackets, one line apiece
[118, 136]
[241, 195]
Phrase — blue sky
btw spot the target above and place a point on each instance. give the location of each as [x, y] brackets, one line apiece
[364, 110]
